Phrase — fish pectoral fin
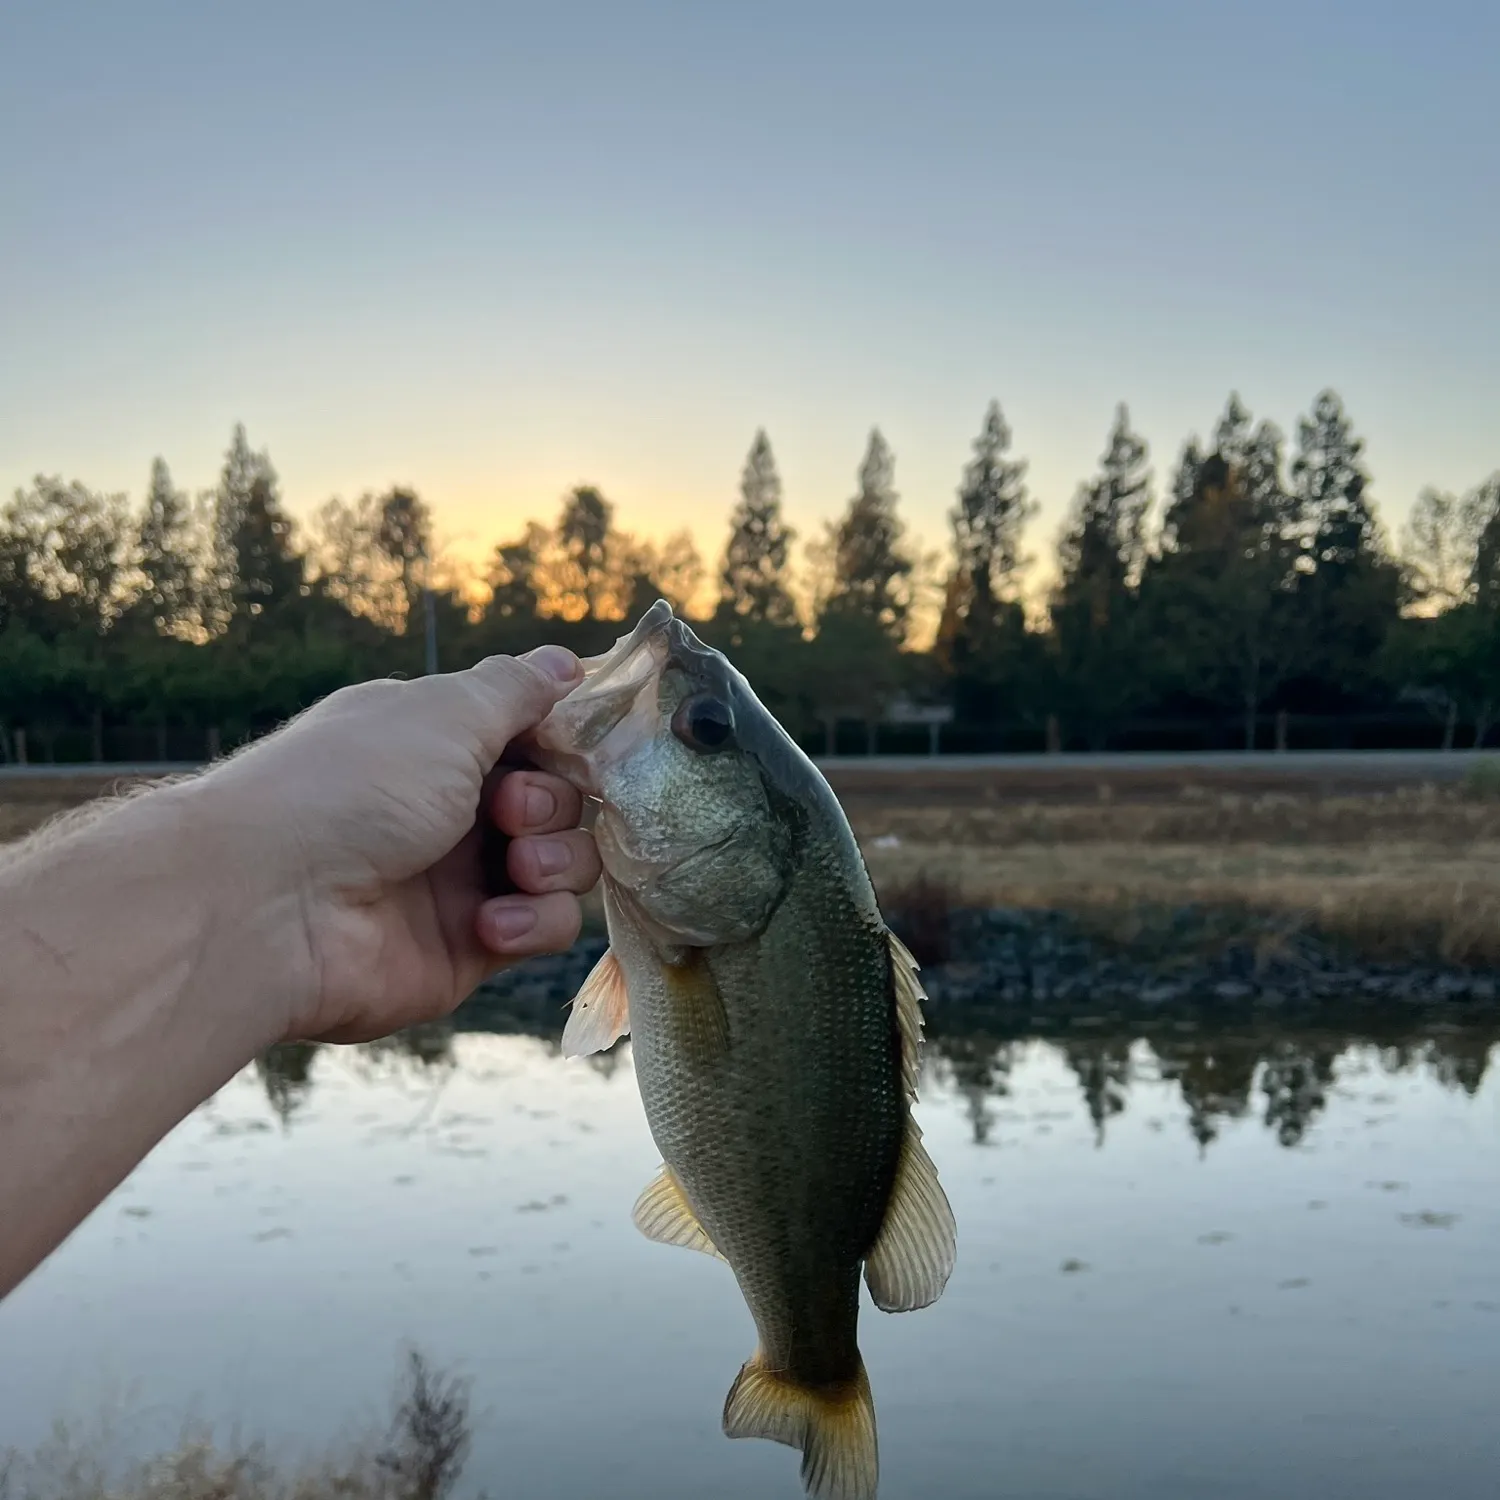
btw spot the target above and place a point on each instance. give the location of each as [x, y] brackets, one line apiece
[909, 998]
[695, 1018]
[834, 1426]
[601, 1010]
[914, 1252]
[662, 1213]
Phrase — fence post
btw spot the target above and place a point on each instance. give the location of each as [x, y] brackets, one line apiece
[1054, 735]
[20, 738]
[933, 730]
[161, 742]
[96, 736]
[213, 742]
[1281, 717]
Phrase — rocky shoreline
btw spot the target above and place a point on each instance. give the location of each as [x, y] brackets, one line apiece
[1049, 967]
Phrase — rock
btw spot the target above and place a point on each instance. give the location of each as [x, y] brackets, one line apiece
[1233, 989]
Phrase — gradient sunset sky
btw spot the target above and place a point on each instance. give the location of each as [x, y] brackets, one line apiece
[496, 250]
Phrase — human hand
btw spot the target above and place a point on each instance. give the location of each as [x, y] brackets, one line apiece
[354, 836]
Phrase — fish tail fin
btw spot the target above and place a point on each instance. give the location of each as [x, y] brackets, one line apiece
[833, 1425]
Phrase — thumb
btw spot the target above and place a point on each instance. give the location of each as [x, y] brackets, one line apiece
[511, 694]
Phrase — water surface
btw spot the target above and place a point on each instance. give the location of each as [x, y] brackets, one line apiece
[1239, 1265]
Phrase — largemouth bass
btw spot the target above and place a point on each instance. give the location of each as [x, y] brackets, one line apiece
[775, 1023]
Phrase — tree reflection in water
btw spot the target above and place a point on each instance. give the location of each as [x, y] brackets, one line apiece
[1280, 1073]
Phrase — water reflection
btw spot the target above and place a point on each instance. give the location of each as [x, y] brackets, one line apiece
[1122, 1322]
[1280, 1077]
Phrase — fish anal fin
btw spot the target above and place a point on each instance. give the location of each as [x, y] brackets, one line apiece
[663, 1213]
[601, 1010]
[696, 1015]
[909, 998]
[833, 1425]
[913, 1255]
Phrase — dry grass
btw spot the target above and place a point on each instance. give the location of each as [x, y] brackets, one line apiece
[1398, 870]
[1406, 873]
[420, 1457]
[1389, 900]
[26, 803]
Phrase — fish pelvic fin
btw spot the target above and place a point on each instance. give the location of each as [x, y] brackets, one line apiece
[833, 1425]
[601, 1010]
[663, 1213]
[913, 1255]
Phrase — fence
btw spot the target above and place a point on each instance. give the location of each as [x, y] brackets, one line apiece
[100, 742]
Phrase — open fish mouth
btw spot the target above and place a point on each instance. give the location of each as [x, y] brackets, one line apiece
[613, 710]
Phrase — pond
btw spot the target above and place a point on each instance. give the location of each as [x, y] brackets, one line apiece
[1191, 1263]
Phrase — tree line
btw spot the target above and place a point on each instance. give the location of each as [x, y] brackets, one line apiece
[1261, 586]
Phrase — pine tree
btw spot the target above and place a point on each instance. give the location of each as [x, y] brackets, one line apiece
[753, 579]
[231, 500]
[1218, 594]
[1481, 512]
[1348, 589]
[992, 511]
[268, 571]
[1330, 483]
[872, 572]
[165, 554]
[1095, 619]
[982, 638]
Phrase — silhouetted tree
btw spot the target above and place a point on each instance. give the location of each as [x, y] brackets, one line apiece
[1220, 592]
[230, 501]
[165, 556]
[268, 570]
[404, 535]
[584, 532]
[982, 635]
[1348, 589]
[672, 571]
[872, 571]
[1096, 625]
[64, 549]
[753, 581]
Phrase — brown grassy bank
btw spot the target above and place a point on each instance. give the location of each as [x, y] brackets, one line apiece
[1406, 872]
[1397, 869]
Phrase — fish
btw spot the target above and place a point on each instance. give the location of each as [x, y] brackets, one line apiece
[775, 1023]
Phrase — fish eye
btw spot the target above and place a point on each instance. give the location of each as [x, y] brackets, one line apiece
[704, 723]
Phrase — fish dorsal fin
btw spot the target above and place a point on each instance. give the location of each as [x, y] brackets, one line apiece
[913, 1255]
[909, 998]
[662, 1213]
[601, 1010]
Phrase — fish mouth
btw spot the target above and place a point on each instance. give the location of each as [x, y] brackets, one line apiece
[613, 709]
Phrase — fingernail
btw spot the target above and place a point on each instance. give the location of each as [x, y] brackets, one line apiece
[507, 923]
[539, 806]
[552, 856]
[556, 661]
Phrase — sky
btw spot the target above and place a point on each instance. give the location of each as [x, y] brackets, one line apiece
[494, 251]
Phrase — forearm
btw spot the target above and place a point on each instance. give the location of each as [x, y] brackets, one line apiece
[136, 978]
